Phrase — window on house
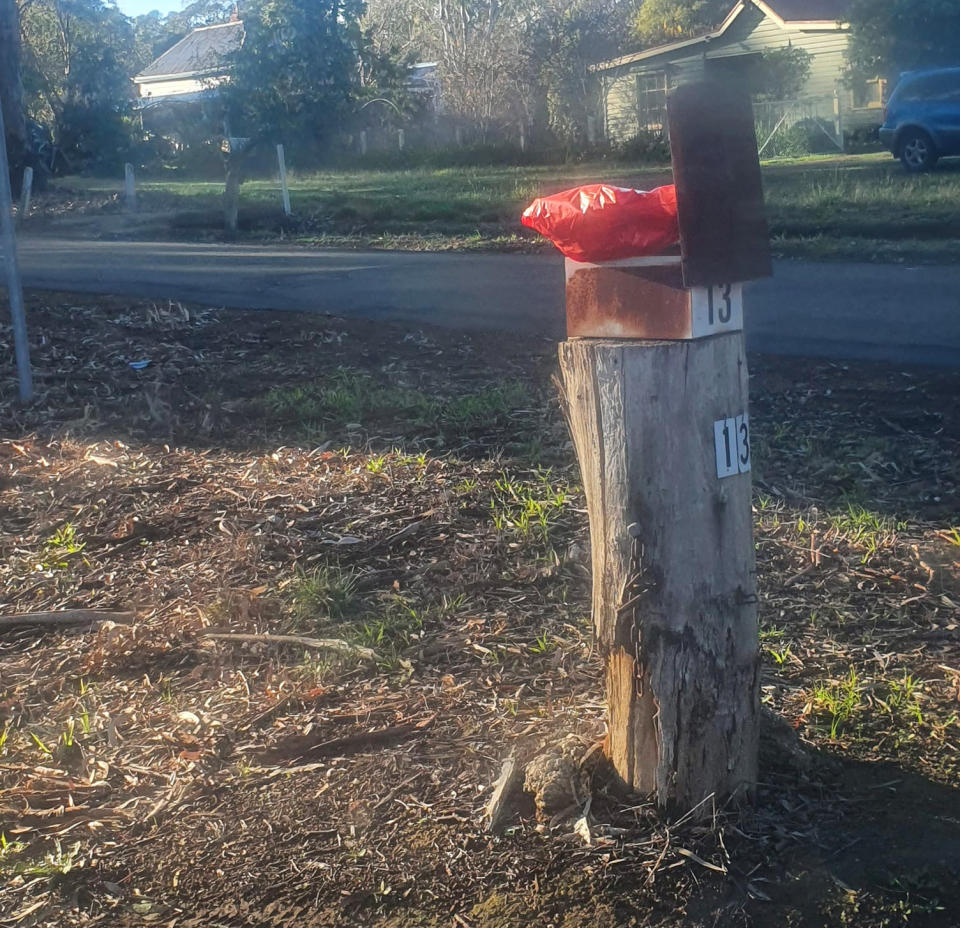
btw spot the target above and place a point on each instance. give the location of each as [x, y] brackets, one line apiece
[869, 95]
[652, 100]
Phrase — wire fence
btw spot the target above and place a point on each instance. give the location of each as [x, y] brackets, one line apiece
[795, 126]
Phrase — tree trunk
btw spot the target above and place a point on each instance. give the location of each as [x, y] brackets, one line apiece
[674, 603]
[231, 194]
[11, 89]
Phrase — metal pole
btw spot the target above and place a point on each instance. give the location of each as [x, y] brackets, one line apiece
[14, 290]
[283, 180]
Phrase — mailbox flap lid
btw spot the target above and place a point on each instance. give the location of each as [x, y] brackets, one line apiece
[716, 169]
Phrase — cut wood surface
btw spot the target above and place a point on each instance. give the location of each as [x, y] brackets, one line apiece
[66, 617]
[674, 602]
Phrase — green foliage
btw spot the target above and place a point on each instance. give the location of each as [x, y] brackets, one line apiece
[508, 63]
[326, 594]
[78, 58]
[392, 627]
[838, 701]
[804, 137]
[475, 410]
[156, 33]
[60, 547]
[645, 148]
[528, 509]
[348, 397]
[782, 73]
[661, 21]
[301, 67]
[566, 40]
[890, 36]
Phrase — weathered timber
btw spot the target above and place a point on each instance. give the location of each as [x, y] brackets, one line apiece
[674, 603]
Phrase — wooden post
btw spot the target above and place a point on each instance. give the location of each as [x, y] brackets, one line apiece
[655, 383]
[283, 181]
[674, 602]
[231, 194]
[8, 247]
[523, 136]
[363, 143]
[838, 119]
[400, 140]
[129, 188]
[591, 129]
[25, 193]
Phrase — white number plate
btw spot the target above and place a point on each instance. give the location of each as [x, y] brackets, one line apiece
[731, 439]
[717, 309]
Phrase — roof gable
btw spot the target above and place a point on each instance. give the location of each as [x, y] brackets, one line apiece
[808, 11]
[788, 14]
[203, 50]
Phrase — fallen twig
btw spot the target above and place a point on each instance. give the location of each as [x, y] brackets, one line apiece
[304, 746]
[66, 617]
[321, 644]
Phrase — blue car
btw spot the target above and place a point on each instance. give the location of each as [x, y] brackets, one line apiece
[922, 118]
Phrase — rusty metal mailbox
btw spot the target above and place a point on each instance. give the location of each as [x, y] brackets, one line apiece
[646, 298]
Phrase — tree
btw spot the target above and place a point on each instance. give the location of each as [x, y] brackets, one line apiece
[782, 73]
[889, 36]
[302, 66]
[660, 21]
[572, 36]
[79, 56]
[504, 61]
[11, 87]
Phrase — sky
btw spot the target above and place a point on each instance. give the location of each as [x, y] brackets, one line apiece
[138, 7]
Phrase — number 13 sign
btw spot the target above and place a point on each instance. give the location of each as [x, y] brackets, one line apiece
[731, 438]
[716, 309]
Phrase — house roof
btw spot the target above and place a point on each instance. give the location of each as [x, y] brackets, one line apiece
[806, 11]
[817, 14]
[202, 51]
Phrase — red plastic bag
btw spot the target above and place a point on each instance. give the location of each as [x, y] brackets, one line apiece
[599, 222]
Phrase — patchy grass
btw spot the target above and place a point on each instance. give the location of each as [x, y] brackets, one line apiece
[322, 596]
[350, 399]
[151, 773]
[855, 207]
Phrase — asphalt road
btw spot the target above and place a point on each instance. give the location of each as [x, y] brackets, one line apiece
[907, 315]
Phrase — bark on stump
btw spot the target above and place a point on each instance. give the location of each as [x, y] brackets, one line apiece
[674, 602]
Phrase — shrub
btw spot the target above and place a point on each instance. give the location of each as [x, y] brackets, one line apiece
[645, 147]
[805, 137]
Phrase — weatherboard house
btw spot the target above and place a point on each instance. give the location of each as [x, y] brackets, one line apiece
[635, 86]
[189, 73]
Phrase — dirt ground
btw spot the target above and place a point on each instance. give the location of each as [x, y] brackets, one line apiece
[362, 487]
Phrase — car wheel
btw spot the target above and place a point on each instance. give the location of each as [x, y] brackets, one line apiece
[917, 152]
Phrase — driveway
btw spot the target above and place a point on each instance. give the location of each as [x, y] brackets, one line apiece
[907, 315]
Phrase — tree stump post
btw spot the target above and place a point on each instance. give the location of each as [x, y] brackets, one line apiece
[674, 598]
[655, 381]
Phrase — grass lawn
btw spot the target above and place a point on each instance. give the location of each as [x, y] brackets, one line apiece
[413, 492]
[861, 207]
